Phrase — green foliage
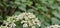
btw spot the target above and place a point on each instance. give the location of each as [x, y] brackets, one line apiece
[48, 11]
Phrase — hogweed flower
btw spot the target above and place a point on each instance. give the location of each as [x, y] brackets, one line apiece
[28, 20]
[9, 23]
[12, 25]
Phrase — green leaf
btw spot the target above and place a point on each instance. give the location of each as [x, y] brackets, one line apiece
[56, 14]
[29, 3]
[22, 7]
[31, 10]
[17, 13]
[17, 3]
[23, 0]
[55, 20]
[42, 25]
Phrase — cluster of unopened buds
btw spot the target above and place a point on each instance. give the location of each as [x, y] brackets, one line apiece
[54, 26]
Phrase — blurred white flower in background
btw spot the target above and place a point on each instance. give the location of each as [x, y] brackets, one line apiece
[54, 26]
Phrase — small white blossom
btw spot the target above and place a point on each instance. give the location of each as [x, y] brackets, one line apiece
[25, 25]
[23, 21]
[33, 26]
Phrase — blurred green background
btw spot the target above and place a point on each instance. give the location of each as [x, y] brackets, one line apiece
[48, 11]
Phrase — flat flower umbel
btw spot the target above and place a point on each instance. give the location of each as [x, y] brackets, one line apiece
[28, 20]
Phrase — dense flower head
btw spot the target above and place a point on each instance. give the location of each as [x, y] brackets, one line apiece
[9, 23]
[26, 19]
[29, 20]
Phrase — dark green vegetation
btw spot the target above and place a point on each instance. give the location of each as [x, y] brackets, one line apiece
[48, 11]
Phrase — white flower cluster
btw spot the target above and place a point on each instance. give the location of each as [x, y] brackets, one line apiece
[9, 23]
[28, 20]
[53, 26]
